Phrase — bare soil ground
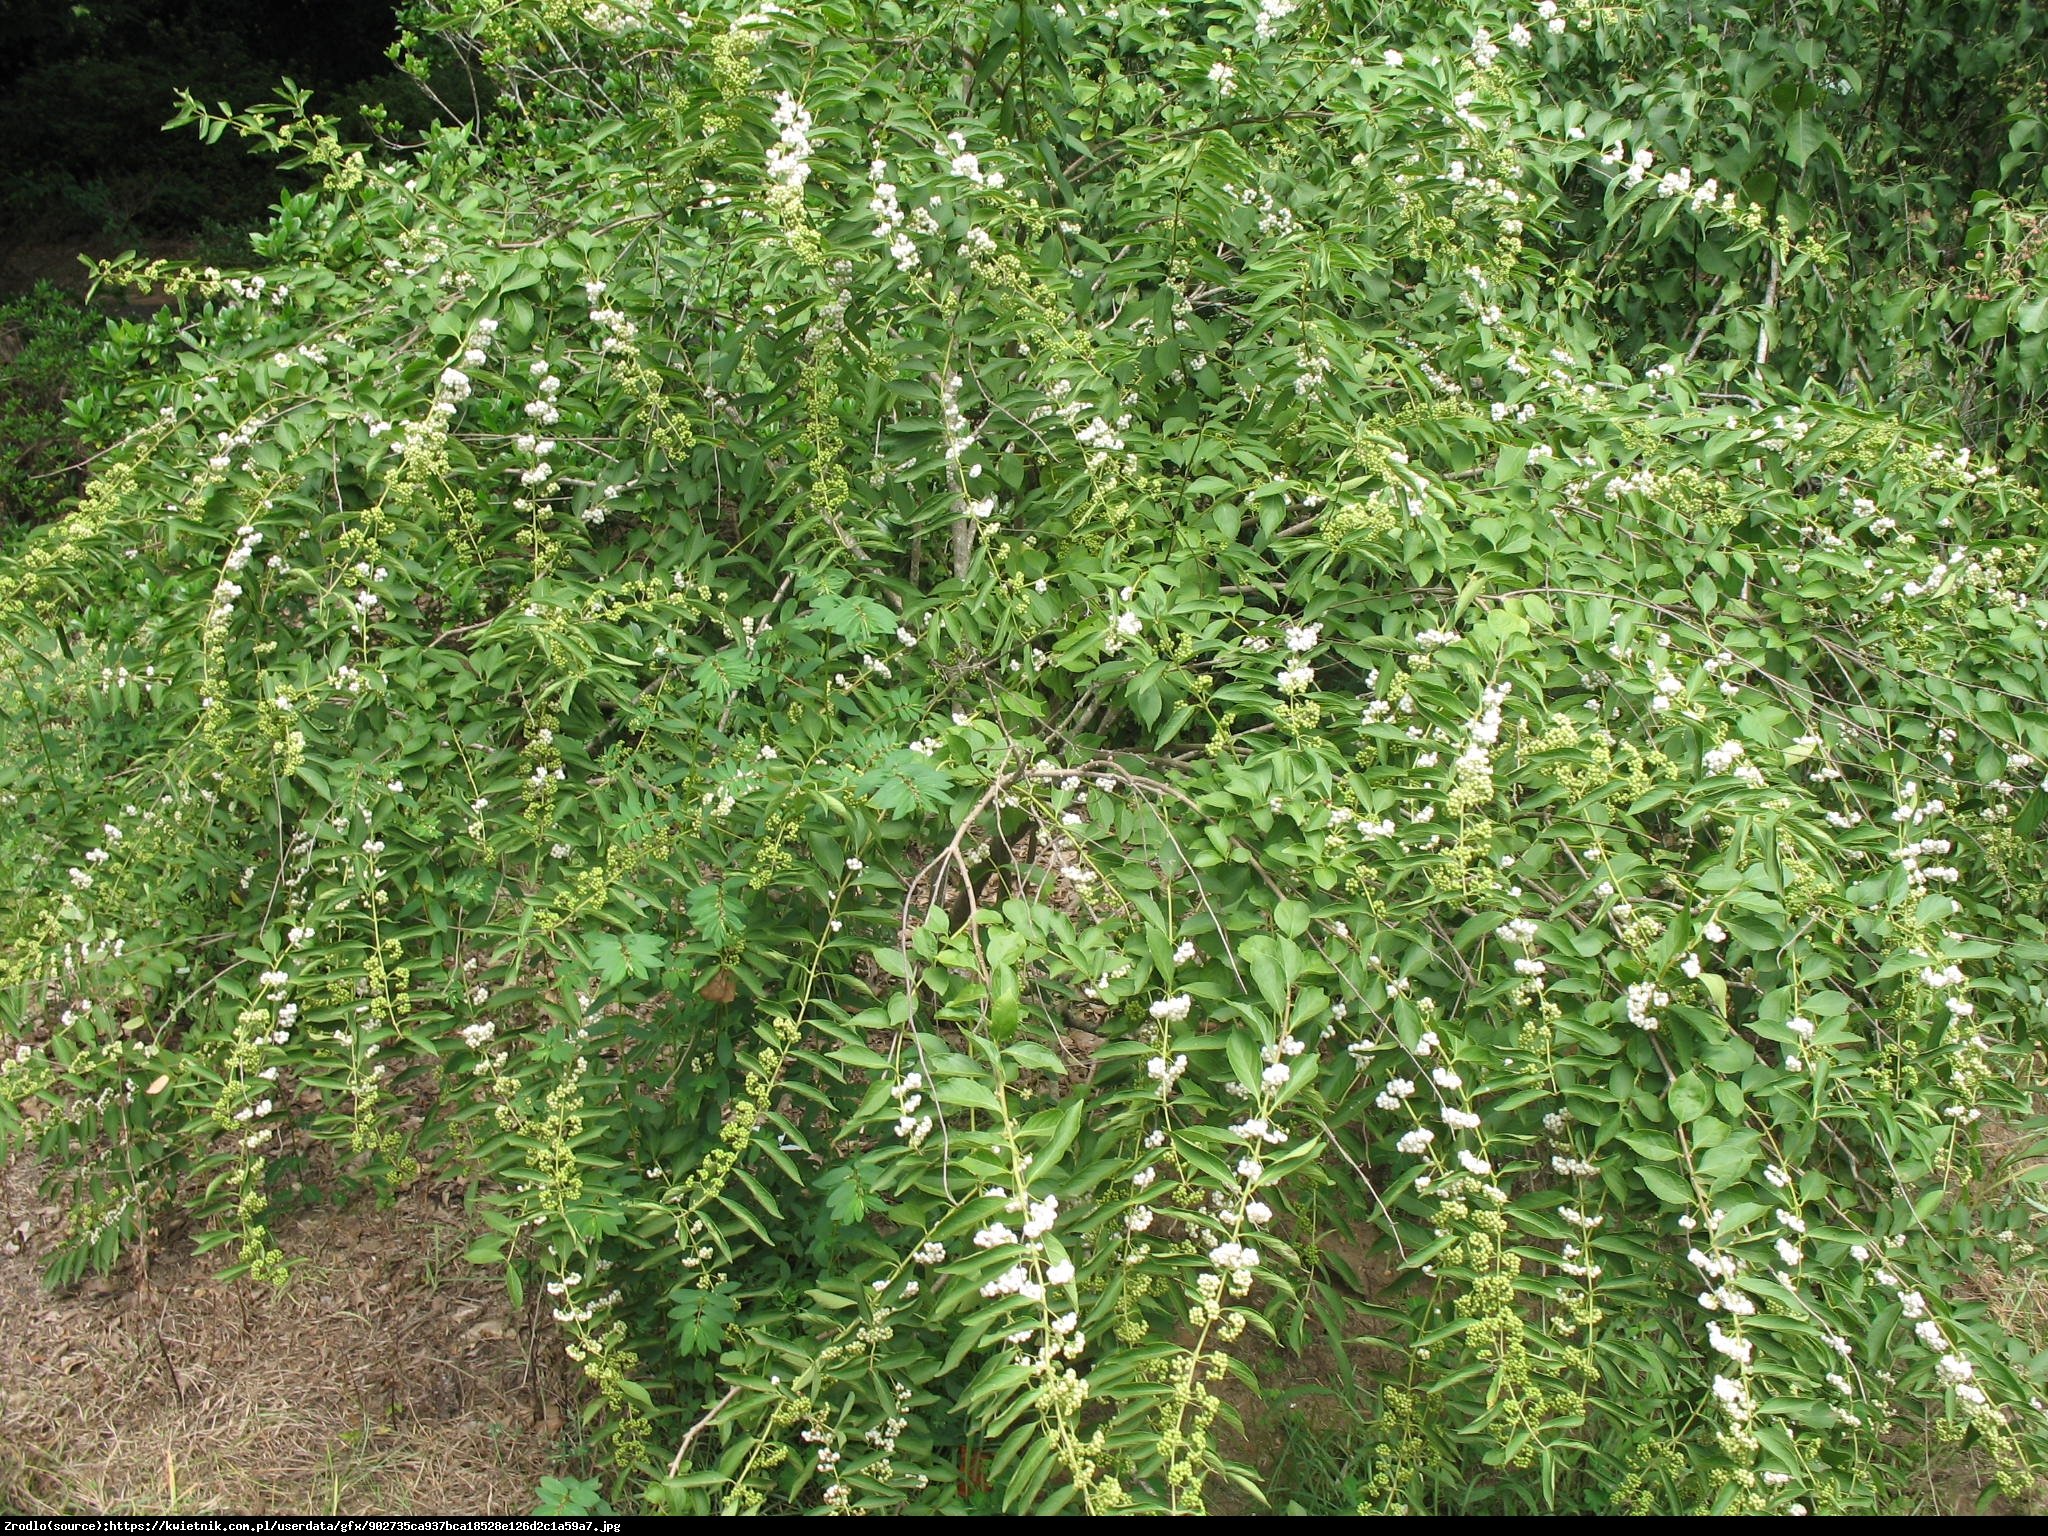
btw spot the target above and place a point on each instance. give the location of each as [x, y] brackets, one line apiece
[388, 1376]
[26, 261]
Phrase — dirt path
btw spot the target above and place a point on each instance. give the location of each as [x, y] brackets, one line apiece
[389, 1376]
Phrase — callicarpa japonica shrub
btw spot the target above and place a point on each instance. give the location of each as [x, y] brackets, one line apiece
[1005, 714]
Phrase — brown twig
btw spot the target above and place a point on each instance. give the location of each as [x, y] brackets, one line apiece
[177, 1386]
[698, 1428]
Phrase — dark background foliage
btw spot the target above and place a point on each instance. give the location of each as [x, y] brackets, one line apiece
[85, 165]
[85, 90]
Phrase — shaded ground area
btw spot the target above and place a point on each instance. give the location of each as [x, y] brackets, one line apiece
[389, 1376]
[26, 261]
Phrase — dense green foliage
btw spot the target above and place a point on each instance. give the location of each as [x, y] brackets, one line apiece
[46, 339]
[999, 709]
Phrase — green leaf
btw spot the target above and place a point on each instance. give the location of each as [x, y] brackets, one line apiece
[1732, 1160]
[1005, 1005]
[1291, 917]
[1688, 1098]
[966, 1093]
[1804, 137]
[1666, 1186]
[858, 619]
[718, 910]
[905, 783]
[698, 1318]
[848, 1199]
[622, 957]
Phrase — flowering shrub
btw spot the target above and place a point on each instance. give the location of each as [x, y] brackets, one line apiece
[998, 709]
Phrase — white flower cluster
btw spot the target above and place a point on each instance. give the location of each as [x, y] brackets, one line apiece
[1702, 195]
[967, 165]
[614, 18]
[1275, 217]
[1127, 625]
[1237, 1261]
[1172, 1010]
[1721, 1269]
[228, 442]
[1643, 997]
[1734, 1398]
[1950, 975]
[1276, 1057]
[1258, 1128]
[115, 677]
[1166, 1073]
[1720, 759]
[1364, 826]
[889, 218]
[789, 158]
[1100, 438]
[542, 410]
[1637, 165]
[226, 590]
[1014, 1281]
[1914, 858]
[1472, 772]
[1271, 14]
[1953, 1370]
[618, 337]
[1295, 680]
[250, 288]
[455, 386]
[1315, 372]
[910, 1125]
[1911, 809]
[959, 435]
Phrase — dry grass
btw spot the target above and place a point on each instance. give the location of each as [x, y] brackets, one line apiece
[388, 1377]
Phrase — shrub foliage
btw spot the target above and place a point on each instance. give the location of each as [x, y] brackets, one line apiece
[45, 341]
[1001, 710]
